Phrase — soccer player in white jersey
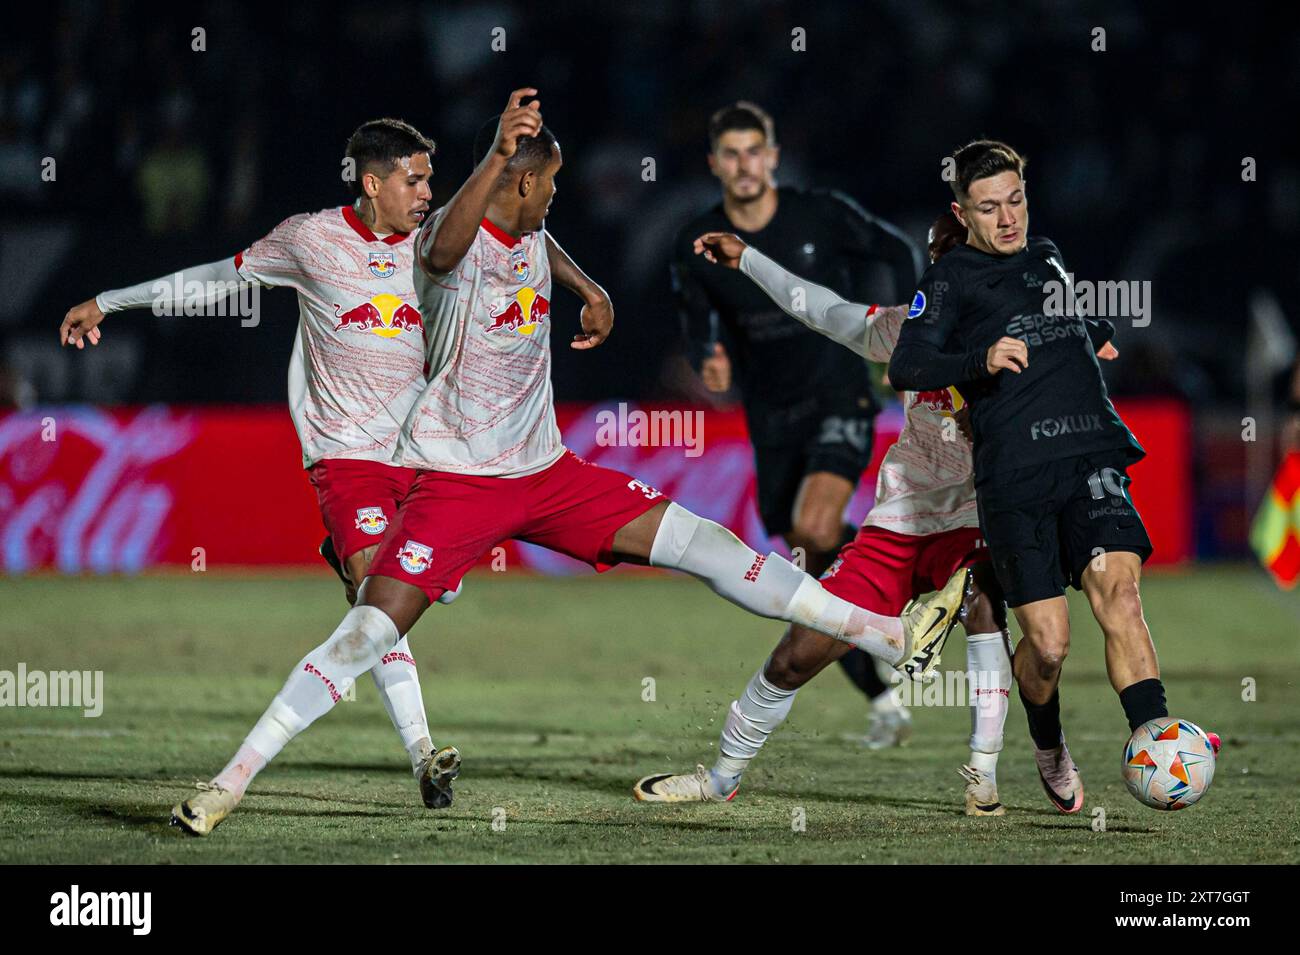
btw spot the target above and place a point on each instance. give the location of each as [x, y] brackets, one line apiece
[492, 466]
[355, 373]
[924, 526]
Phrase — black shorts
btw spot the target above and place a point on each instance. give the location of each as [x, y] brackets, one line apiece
[840, 444]
[1044, 524]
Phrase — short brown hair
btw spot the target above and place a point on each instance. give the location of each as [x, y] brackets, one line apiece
[981, 159]
[378, 145]
[741, 114]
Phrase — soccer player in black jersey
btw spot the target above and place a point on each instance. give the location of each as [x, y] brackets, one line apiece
[1051, 454]
[808, 402]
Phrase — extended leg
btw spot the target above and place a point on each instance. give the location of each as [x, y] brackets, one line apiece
[671, 536]
[386, 608]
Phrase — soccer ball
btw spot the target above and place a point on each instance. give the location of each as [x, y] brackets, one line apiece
[1168, 763]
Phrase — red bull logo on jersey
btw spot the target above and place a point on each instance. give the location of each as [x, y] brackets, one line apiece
[384, 315]
[371, 520]
[414, 557]
[519, 264]
[944, 401]
[523, 314]
[382, 264]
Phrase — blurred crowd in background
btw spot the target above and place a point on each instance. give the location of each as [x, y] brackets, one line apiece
[167, 155]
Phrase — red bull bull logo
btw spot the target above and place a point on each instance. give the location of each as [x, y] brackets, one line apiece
[524, 313]
[371, 520]
[414, 557]
[384, 315]
[944, 401]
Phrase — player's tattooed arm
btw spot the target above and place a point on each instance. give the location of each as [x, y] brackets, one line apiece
[441, 248]
[597, 310]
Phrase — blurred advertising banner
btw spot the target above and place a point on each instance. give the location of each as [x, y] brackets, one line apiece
[85, 489]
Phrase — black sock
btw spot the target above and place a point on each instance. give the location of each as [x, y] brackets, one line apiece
[861, 669]
[1143, 701]
[1044, 720]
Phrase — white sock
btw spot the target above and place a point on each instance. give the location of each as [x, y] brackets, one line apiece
[399, 687]
[315, 685]
[770, 585]
[885, 702]
[750, 721]
[988, 670]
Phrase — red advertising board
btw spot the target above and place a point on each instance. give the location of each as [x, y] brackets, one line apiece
[85, 489]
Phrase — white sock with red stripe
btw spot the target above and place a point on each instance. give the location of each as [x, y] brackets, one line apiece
[399, 687]
[988, 668]
[770, 585]
[750, 721]
[318, 682]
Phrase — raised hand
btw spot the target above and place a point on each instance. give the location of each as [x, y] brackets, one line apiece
[518, 120]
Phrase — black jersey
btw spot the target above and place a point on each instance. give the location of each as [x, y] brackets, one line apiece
[788, 374]
[1055, 408]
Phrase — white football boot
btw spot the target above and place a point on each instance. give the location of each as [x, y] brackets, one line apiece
[926, 626]
[200, 814]
[981, 793]
[698, 786]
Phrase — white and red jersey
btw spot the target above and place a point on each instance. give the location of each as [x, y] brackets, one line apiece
[358, 359]
[926, 483]
[487, 408]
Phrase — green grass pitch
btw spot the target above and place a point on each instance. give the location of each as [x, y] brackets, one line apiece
[540, 682]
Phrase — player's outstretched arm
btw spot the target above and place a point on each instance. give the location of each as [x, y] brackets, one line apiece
[445, 244]
[203, 285]
[857, 327]
[597, 310]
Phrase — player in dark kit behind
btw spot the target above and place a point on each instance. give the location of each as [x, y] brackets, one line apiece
[808, 402]
[1051, 454]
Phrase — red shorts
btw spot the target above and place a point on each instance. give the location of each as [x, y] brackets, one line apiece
[449, 521]
[357, 500]
[881, 570]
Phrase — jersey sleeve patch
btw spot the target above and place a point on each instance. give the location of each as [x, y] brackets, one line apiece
[918, 305]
